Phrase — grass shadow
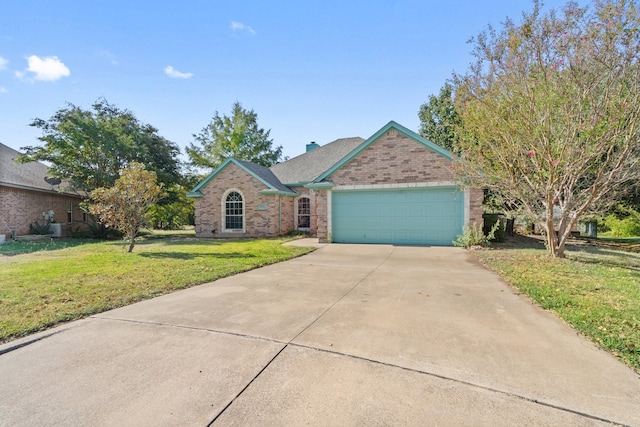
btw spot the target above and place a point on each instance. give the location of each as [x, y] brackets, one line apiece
[190, 256]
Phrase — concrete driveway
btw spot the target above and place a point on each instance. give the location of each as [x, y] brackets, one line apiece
[347, 335]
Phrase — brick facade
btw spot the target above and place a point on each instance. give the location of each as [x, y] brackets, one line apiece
[19, 208]
[394, 159]
[260, 211]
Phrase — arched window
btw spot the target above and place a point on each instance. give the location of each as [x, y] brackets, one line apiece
[304, 213]
[233, 211]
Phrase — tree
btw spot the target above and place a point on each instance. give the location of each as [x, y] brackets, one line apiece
[125, 205]
[88, 148]
[237, 136]
[177, 211]
[550, 113]
[439, 119]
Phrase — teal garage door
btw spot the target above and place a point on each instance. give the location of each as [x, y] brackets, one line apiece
[425, 216]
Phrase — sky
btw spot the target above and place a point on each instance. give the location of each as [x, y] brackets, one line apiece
[311, 70]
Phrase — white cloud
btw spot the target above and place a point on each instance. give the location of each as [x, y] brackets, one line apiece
[3, 63]
[3, 89]
[239, 26]
[108, 56]
[173, 73]
[49, 68]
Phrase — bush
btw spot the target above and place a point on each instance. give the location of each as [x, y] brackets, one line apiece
[36, 228]
[474, 236]
[626, 224]
[490, 221]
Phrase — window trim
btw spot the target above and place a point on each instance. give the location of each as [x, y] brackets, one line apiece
[223, 217]
[69, 212]
[297, 213]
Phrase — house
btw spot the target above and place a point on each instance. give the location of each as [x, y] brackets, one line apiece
[395, 187]
[25, 197]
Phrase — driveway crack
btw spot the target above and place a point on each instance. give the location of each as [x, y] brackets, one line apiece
[296, 336]
[321, 315]
[464, 383]
[222, 411]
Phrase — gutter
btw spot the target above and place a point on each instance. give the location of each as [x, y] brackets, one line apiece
[320, 185]
[195, 194]
[277, 193]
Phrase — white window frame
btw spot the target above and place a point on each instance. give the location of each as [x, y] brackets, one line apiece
[297, 214]
[223, 215]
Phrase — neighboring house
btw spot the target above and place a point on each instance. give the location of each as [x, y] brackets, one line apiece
[395, 187]
[25, 196]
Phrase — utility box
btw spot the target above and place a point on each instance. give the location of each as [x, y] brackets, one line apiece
[56, 229]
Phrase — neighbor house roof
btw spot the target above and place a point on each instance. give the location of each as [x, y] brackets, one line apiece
[29, 176]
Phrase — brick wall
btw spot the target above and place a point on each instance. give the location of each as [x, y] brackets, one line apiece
[322, 214]
[20, 208]
[209, 221]
[476, 211]
[312, 195]
[394, 158]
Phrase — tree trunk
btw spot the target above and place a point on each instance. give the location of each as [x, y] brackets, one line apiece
[132, 244]
[552, 238]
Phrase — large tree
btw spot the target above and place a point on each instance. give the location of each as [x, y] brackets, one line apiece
[439, 119]
[236, 136]
[551, 112]
[87, 148]
[125, 206]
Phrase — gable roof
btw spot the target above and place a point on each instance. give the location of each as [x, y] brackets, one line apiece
[308, 166]
[310, 169]
[28, 176]
[261, 173]
[391, 125]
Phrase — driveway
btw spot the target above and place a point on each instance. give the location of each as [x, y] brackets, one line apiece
[347, 335]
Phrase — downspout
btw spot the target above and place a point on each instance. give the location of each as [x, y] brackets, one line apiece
[279, 216]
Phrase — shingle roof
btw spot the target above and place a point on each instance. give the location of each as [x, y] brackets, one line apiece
[24, 175]
[308, 166]
[265, 174]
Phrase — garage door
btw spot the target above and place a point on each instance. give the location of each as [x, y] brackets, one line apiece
[432, 216]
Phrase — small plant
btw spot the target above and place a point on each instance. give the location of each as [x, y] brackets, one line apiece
[474, 236]
[36, 228]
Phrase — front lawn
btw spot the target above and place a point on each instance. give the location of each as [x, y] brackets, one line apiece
[595, 290]
[77, 278]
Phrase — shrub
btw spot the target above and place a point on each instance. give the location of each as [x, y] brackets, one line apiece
[627, 224]
[36, 228]
[474, 236]
[496, 223]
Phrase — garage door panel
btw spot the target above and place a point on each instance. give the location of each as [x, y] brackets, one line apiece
[432, 216]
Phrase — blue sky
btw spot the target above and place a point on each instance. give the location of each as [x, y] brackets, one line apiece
[311, 70]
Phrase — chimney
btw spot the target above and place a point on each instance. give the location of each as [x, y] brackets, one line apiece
[312, 146]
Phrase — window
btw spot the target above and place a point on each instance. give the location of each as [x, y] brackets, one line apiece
[70, 212]
[304, 213]
[233, 211]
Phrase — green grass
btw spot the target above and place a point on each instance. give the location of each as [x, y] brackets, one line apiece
[28, 246]
[78, 278]
[595, 290]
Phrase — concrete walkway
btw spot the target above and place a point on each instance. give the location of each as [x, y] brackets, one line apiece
[347, 335]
